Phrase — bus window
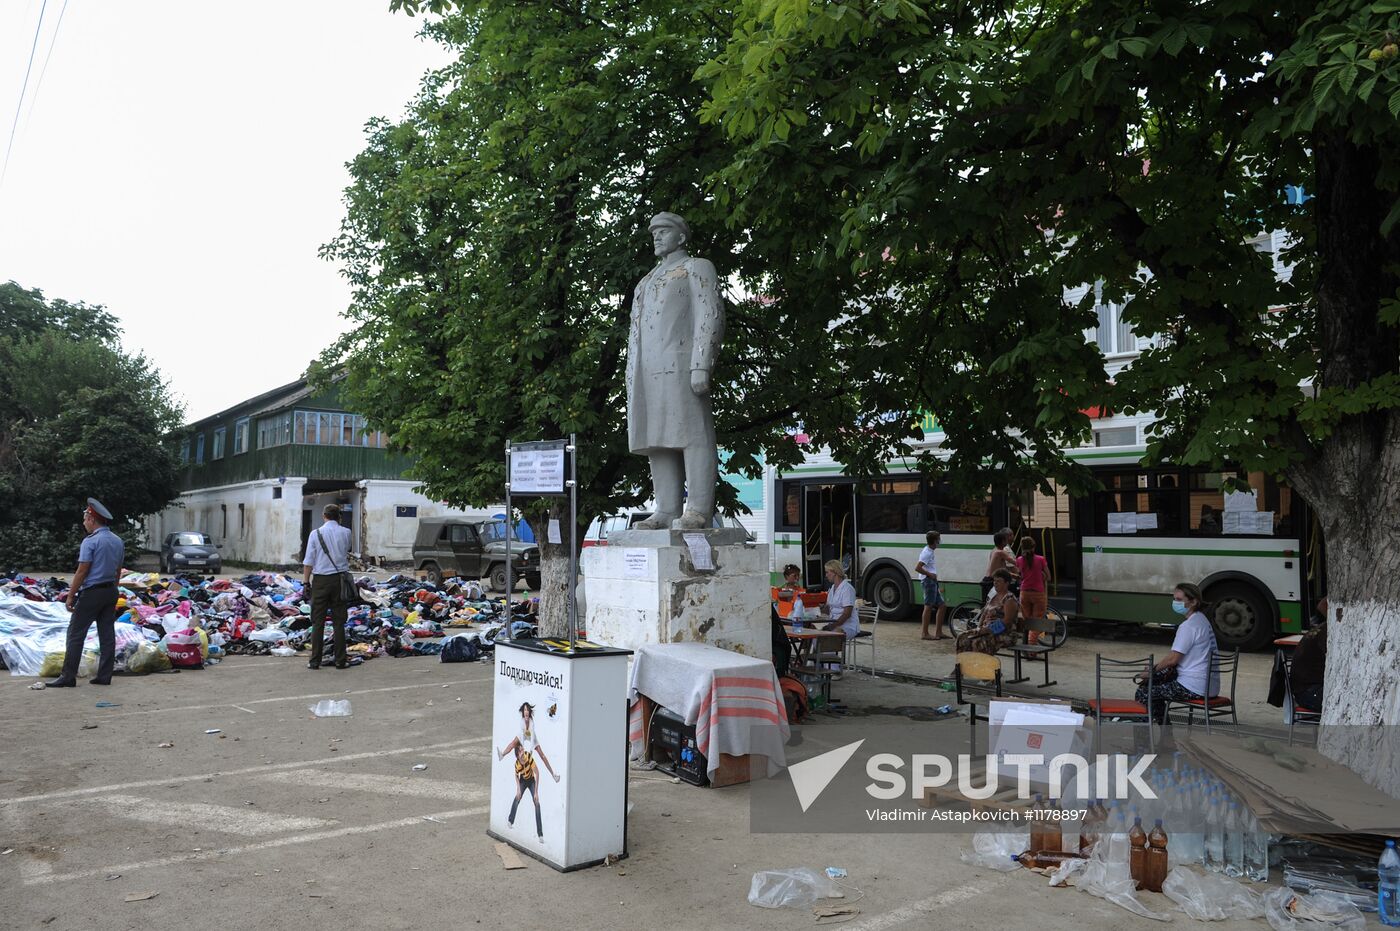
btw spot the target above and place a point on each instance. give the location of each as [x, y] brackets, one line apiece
[1210, 516]
[1139, 503]
[951, 512]
[790, 516]
[892, 506]
[1207, 502]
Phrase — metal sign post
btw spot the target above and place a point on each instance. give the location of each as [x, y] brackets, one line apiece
[538, 469]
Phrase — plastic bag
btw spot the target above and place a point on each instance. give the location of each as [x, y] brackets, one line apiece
[330, 708]
[1210, 896]
[994, 851]
[147, 659]
[1113, 882]
[283, 651]
[460, 650]
[53, 665]
[268, 635]
[1286, 910]
[795, 888]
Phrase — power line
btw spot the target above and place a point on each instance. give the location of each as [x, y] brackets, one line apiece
[19, 107]
[48, 57]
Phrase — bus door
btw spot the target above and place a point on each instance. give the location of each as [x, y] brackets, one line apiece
[828, 529]
[1051, 521]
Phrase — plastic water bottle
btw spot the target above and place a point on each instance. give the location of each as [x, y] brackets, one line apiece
[1214, 859]
[1234, 841]
[1388, 885]
[1256, 851]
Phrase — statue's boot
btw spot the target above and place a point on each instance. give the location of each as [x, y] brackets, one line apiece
[661, 520]
[693, 520]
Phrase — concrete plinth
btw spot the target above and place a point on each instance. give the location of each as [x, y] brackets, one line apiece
[642, 588]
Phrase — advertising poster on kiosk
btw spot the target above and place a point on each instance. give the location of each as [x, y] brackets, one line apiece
[559, 751]
[530, 754]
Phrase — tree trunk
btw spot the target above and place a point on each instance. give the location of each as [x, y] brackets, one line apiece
[554, 573]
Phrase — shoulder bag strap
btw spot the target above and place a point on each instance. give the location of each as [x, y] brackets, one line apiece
[326, 551]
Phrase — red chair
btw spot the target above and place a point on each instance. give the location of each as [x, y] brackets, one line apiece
[1123, 709]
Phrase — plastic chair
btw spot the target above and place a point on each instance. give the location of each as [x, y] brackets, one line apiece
[1301, 715]
[868, 614]
[1221, 705]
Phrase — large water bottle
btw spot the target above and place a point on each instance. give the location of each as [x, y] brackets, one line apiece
[1388, 885]
[1256, 851]
[1214, 855]
[1234, 841]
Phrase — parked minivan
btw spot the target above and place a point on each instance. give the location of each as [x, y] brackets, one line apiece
[458, 546]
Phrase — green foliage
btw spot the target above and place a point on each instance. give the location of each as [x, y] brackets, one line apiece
[984, 158]
[78, 418]
[494, 236]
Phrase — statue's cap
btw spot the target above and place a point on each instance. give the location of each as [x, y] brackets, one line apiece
[670, 219]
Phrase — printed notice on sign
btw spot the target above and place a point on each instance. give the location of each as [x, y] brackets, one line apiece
[537, 468]
[636, 564]
[700, 554]
[554, 536]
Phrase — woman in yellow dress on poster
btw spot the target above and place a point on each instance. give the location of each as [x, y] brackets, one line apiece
[526, 745]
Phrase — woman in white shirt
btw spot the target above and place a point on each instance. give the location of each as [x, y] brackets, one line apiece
[841, 601]
[526, 745]
[1186, 673]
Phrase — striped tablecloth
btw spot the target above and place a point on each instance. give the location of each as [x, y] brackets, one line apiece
[733, 700]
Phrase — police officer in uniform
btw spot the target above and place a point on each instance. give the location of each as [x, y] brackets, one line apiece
[93, 597]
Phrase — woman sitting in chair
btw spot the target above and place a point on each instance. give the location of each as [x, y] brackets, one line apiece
[1185, 673]
[996, 627]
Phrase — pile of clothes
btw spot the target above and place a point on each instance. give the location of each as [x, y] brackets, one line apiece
[189, 621]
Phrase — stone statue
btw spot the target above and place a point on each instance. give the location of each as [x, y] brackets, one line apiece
[677, 324]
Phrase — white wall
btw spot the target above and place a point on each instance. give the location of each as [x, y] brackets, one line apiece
[269, 533]
[384, 535]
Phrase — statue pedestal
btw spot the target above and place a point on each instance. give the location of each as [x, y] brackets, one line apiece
[642, 588]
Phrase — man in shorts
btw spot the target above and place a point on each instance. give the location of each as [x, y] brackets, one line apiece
[933, 594]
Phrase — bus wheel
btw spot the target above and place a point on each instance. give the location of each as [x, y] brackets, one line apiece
[964, 617]
[890, 592]
[1242, 616]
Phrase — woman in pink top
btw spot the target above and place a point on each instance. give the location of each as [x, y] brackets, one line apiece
[1033, 570]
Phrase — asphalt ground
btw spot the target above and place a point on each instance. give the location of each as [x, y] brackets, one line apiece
[283, 819]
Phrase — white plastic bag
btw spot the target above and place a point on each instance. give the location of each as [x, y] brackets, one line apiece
[994, 851]
[1290, 911]
[282, 651]
[1210, 896]
[796, 888]
[330, 708]
[1113, 882]
[268, 635]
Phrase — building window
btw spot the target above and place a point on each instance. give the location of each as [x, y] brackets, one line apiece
[275, 430]
[240, 436]
[276, 493]
[406, 510]
[223, 512]
[315, 428]
[199, 449]
[185, 450]
[218, 452]
[242, 522]
[1113, 334]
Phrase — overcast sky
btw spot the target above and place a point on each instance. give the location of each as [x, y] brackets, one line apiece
[182, 162]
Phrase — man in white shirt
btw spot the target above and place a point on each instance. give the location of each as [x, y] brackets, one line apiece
[927, 571]
[327, 555]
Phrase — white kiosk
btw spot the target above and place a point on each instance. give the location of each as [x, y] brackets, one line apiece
[559, 754]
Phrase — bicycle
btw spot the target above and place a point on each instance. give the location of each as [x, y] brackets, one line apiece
[963, 618]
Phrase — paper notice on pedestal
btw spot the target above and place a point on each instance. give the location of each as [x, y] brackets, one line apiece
[554, 535]
[1147, 521]
[700, 555]
[636, 564]
[1241, 501]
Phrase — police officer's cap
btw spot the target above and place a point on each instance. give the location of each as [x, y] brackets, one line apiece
[670, 219]
[98, 509]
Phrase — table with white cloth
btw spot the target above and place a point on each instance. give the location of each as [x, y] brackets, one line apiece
[734, 701]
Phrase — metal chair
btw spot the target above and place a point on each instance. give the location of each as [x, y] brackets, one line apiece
[983, 672]
[868, 614]
[1300, 714]
[1221, 705]
[1117, 708]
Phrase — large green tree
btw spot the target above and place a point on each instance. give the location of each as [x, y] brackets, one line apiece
[78, 417]
[986, 157]
[494, 235]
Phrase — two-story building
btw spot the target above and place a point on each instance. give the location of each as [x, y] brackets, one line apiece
[256, 476]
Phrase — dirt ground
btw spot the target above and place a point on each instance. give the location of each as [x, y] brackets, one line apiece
[283, 819]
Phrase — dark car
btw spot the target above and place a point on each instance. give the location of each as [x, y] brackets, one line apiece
[190, 551]
[455, 546]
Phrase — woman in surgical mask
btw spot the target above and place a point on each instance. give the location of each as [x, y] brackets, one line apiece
[1185, 674]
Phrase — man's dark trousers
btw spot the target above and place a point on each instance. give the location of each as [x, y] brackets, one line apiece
[325, 596]
[97, 603]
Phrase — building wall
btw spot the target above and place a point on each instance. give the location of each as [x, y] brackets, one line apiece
[384, 534]
[247, 520]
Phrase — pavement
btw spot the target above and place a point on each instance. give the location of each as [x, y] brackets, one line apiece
[285, 819]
